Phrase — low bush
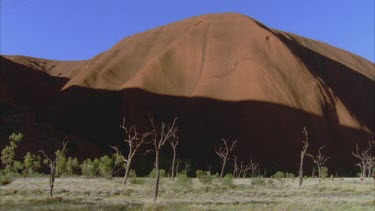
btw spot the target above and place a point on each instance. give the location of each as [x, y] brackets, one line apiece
[61, 163]
[227, 181]
[184, 180]
[5, 180]
[132, 174]
[106, 167]
[152, 174]
[205, 177]
[72, 165]
[31, 163]
[323, 172]
[90, 167]
[199, 173]
[289, 175]
[279, 175]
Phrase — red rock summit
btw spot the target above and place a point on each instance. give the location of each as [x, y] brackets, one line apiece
[223, 75]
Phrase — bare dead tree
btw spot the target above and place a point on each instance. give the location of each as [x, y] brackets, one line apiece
[174, 142]
[187, 166]
[313, 172]
[161, 135]
[370, 163]
[134, 140]
[235, 166]
[366, 159]
[117, 155]
[253, 167]
[319, 160]
[178, 162]
[223, 152]
[244, 169]
[370, 160]
[305, 143]
[52, 164]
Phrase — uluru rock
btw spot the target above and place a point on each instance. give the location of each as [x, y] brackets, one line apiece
[222, 75]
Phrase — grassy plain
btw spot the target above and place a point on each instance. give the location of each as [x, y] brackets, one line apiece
[78, 193]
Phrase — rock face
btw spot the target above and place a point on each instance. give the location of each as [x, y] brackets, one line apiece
[223, 75]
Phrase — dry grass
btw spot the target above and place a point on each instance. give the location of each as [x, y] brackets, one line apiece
[76, 193]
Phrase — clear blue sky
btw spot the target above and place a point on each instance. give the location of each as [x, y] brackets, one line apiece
[80, 29]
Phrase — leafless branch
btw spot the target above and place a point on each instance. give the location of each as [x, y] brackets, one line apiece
[319, 160]
[223, 152]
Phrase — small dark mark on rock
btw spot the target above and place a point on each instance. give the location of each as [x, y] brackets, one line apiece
[197, 23]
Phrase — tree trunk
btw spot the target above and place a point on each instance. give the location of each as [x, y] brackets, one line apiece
[369, 171]
[157, 175]
[127, 170]
[313, 172]
[173, 161]
[319, 173]
[52, 180]
[301, 169]
[222, 168]
[177, 167]
[362, 172]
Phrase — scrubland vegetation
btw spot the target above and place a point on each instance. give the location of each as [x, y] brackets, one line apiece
[95, 183]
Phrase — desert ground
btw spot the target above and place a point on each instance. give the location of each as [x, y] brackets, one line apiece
[78, 193]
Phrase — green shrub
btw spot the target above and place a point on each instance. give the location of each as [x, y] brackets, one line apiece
[89, 167]
[9, 152]
[132, 174]
[279, 175]
[119, 163]
[184, 180]
[152, 173]
[61, 163]
[105, 167]
[85, 170]
[99, 167]
[72, 166]
[204, 177]
[16, 167]
[289, 175]
[323, 172]
[216, 175]
[31, 163]
[163, 174]
[227, 181]
[199, 173]
[5, 180]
